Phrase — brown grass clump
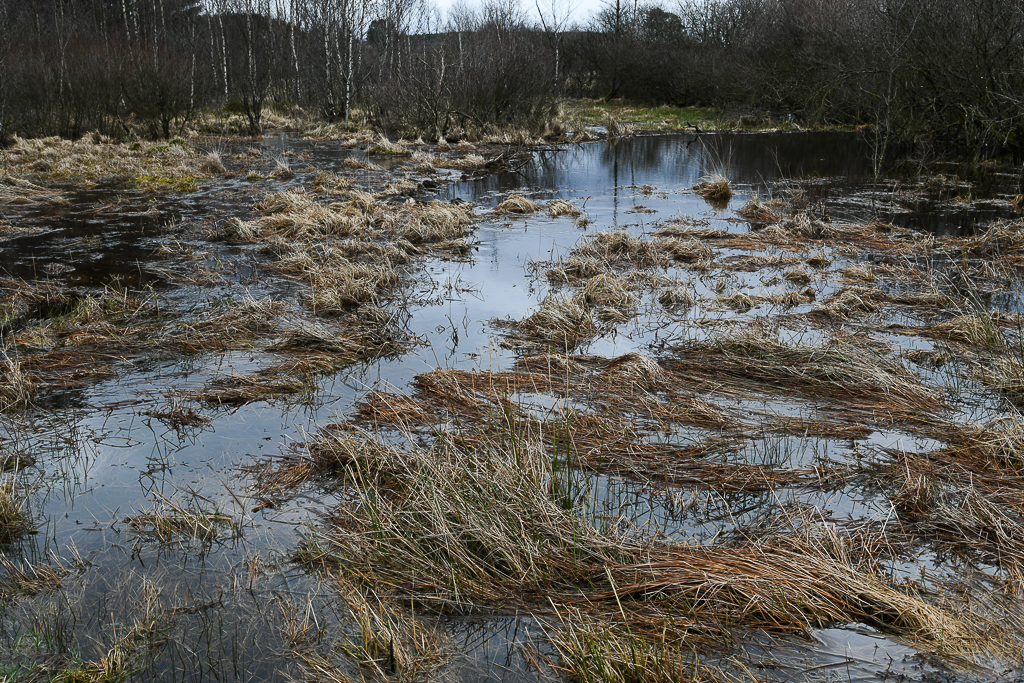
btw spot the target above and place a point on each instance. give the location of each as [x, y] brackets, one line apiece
[14, 517]
[560, 207]
[577, 267]
[634, 370]
[390, 640]
[296, 214]
[339, 284]
[798, 276]
[330, 182]
[333, 455]
[716, 189]
[756, 211]
[561, 322]
[486, 527]
[619, 247]
[685, 251]
[850, 301]
[858, 272]
[170, 520]
[789, 299]
[999, 239]
[609, 296]
[238, 390]
[983, 330]
[436, 221]
[676, 299]
[384, 147]
[212, 164]
[358, 164]
[613, 126]
[737, 301]
[800, 226]
[238, 230]
[840, 371]
[16, 387]
[518, 204]
[14, 190]
[22, 579]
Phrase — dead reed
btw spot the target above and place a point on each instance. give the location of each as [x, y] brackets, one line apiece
[14, 516]
[839, 371]
[561, 207]
[621, 248]
[560, 322]
[478, 528]
[16, 387]
[14, 190]
[715, 189]
[241, 389]
[758, 212]
[516, 204]
[19, 579]
[170, 520]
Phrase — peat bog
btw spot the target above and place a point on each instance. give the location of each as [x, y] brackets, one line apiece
[716, 407]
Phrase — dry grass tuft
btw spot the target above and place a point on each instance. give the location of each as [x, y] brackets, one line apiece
[486, 526]
[619, 247]
[23, 579]
[14, 516]
[518, 204]
[609, 296]
[634, 370]
[737, 301]
[756, 211]
[212, 164]
[851, 301]
[858, 272]
[16, 387]
[339, 284]
[716, 189]
[685, 251]
[841, 371]
[390, 641]
[436, 221]
[575, 268]
[560, 207]
[238, 390]
[282, 170]
[358, 164]
[798, 276]
[798, 227]
[561, 322]
[330, 182]
[14, 190]
[790, 299]
[170, 520]
[676, 299]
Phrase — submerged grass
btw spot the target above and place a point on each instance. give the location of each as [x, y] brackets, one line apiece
[170, 520]
[14, 517]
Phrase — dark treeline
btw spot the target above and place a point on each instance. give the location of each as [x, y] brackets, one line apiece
[944, 72]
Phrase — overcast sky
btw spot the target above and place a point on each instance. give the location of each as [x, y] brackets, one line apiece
[581, 9]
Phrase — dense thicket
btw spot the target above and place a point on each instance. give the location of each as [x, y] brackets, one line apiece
[946, 72]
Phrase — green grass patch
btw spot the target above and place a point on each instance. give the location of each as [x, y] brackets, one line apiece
[182, 184]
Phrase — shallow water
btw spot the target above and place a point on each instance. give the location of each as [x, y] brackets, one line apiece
[101, 460]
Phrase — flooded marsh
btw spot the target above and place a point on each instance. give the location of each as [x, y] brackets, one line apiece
[715, 407]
